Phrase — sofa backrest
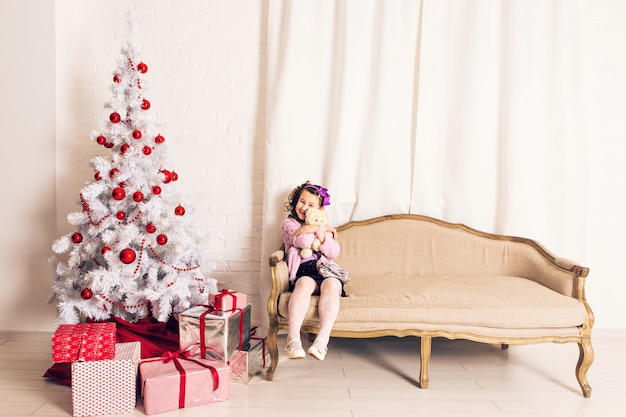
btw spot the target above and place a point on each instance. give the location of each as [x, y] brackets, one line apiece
[415, 245]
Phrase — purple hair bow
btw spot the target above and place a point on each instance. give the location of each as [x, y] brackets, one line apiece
[323, 192]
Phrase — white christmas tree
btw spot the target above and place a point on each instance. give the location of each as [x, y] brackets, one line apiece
[135, 252]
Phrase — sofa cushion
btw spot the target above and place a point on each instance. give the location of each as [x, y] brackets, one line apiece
[483, 301]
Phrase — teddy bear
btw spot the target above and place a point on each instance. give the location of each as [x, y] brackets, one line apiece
[320, 218]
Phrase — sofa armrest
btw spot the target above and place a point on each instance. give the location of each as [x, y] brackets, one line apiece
[280, 283]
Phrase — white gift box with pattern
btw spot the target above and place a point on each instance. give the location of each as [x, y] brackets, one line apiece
[106, 386]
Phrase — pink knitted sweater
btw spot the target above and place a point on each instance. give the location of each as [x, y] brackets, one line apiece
[293, 244]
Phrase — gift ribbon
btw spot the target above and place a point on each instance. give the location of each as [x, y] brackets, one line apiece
[262, 339]
[174, 357]
[219, 299]
[212, 309]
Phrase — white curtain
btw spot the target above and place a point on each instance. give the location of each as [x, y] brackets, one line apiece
[468, 111]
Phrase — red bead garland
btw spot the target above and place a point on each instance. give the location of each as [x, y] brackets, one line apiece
[87, 210]
[179, 269]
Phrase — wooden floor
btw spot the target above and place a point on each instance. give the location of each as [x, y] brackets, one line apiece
[371, 378]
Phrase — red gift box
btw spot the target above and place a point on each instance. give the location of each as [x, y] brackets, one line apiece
[227, 300]
[108, 386]
[83, 342]
[175, 380]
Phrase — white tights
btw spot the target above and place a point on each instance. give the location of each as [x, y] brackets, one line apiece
[328, 308]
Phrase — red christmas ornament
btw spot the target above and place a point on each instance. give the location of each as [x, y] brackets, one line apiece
[174, 176]
[104, 250]
[101, 140]
[121, 184]
[116, 78]
[113, 172]
[159, 139]
[124, 148]
[137, 196]
[150, 228]
[77, 237]
[120, 215]
[118, 194]
[137, 134]
[156, 190]
[128, 256]
[167, 176]
[108, 145]
[86, 294]
[179, 211]
[143, 68]
[147, 150]
[97, 176]
[145, 104]
[115, 117]
[161, 239]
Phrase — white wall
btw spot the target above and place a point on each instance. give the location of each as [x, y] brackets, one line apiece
[27, 165]
[206, 61]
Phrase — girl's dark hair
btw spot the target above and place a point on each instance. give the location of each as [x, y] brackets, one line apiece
[294, 196]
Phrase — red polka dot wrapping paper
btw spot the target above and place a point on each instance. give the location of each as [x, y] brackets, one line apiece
[107, 386]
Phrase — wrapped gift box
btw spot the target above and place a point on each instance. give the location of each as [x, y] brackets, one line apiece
[107, 386]
[177, 381]
[246, 364]
[83, 342]
[214, 334]
[228, 300]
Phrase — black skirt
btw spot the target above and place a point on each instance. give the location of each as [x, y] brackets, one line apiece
[309, 269]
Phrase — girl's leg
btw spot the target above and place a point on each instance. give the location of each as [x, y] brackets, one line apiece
[298, 306]
[328, 309]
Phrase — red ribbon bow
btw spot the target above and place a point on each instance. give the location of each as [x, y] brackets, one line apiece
[219, 299]
[170, 356]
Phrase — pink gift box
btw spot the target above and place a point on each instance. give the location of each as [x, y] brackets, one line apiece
[83, 342]
[246, 364]
[227, 300]
[107, 386]
[175, 381]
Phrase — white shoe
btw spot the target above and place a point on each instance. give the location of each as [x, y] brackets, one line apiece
[318, 353]
[294, 352]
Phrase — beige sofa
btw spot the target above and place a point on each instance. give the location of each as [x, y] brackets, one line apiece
[413, 275]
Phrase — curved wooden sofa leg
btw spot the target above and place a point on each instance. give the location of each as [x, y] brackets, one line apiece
[584, 362]
[425, 360]
[272, 347]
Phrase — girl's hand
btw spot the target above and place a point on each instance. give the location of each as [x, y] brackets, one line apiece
[333, 231]
[308, 228]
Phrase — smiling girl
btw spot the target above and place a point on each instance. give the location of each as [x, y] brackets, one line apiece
[305, 279]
